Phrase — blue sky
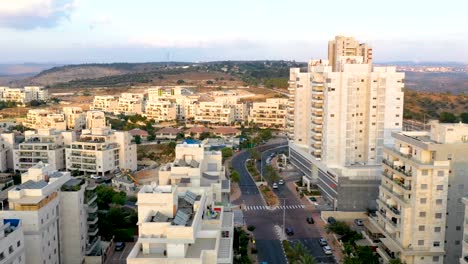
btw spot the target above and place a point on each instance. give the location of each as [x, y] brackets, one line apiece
[81, 31]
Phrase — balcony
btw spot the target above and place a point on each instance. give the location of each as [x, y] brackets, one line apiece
[93, 230]
[90, 198]
[92, 245]
[92, 208]
[408, 157]
[400, 197]
[92, 219]
[389, 207]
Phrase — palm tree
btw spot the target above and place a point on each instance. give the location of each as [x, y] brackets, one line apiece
[306, 259]
[299, 250]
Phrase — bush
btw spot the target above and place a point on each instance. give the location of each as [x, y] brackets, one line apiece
[253, 251]
[251, 228]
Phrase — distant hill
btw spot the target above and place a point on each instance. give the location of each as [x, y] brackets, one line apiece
[428, 105]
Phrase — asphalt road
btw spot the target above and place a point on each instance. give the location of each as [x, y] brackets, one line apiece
[267, 240]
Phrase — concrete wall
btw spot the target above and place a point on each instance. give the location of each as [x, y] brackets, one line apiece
[342, 216]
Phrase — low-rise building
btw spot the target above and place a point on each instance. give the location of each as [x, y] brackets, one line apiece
[177, 226]
[43, 118]
[271, 113]
[75, 118]
[161, 110]
[95, 119]
[196, 167]
[42, 145]
[139, 132]
[24, 95]
[196, 131]
[7, 144]
[106, 103]
[215, 113]
[464, 256]
[129, 106]
[168, 133]
[226, 132]
[101, 151]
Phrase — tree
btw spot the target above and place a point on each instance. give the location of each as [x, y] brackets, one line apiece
[464, 117]
[204, 135]
[446, 117]
[339, 228]
[137, 139]
[209, 82]
[271, 174]
[306, 259]
[227, 153]
[179, 82]
[255, 154]
[396, 261]
[119, 198]
[235, 176]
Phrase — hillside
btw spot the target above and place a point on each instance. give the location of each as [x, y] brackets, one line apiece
[453, 82]
[427, 105]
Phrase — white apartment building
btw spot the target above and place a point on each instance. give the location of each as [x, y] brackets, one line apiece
[129, 106]
[187, 107]
[241, 112]
[271, 113]
[347, 46]
[105, 103]
[420, 211]
[43, 118]
[195, 167]
[12, 241]
[75, 118]
[95, 119]
[101, 151]
[181, 227]
[342, 118]
[24, 95]
[51, 207]
[215, 113]
[155, 93]
[464, 256]
[161, 110]
[42, 145]
[7, 143]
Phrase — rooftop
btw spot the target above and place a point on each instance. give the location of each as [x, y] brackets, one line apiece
[31, 185]
[169, 130]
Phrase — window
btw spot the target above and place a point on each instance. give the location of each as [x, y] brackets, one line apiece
[440, 187]
[458, 228]
[435, 258]
[440, 173]
[423, 186]
[422, 228]
[424, 172]
[438, 201]
[420, 242]
[437, 229]
[18, 244]
[10, 249]
[423, 200]
[438, 215]
[436, 244]
[422, 214]
[2, 256]
[457, 242]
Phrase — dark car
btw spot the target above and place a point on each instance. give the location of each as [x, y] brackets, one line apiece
[310, 220]
[331, 220]
[323, 242]
[289, 231]
[313, 199]
[119, 246]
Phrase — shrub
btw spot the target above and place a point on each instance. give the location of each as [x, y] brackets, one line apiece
[251, 228]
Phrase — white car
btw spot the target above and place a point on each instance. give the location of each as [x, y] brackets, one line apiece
[281, 182]
[327, 250]
[95, 177]
[275, 185]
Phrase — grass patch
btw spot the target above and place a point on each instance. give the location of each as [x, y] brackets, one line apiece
[270, 197]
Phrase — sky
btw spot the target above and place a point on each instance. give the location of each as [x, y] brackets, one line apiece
[98, 31]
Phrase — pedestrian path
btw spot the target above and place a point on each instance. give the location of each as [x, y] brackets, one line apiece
[263, 207]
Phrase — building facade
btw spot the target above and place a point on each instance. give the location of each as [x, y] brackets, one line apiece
[271, 113]
[43, 145]
[106, 103]
[161, 110]
[101, 151]
[75, 118]
[420, 210]
[12, 241]
[95, 119]
[43, 118]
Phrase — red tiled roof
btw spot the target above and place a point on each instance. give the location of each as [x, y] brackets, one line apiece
[169, 130]
[197, 130]
[226, 130]
[138, 132]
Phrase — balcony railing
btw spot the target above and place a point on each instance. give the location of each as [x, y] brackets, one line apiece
[391, 208]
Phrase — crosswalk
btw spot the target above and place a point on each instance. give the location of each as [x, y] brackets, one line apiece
[263, 207]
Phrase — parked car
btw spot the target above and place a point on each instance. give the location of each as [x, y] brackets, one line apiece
[289, 231]
[310, 220]
[331, 220]
[95, 177]
[313, 199]
[358, 222]
[281, 182]
[323, 242]
[327, 250]
[119, 246]
[275, 185]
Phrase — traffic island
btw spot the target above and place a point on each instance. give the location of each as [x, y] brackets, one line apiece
[270, 197]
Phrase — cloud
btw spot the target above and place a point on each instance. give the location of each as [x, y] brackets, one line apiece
[100, 20]
[30, 14]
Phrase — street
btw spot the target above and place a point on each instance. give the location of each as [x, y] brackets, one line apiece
[265, 219]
